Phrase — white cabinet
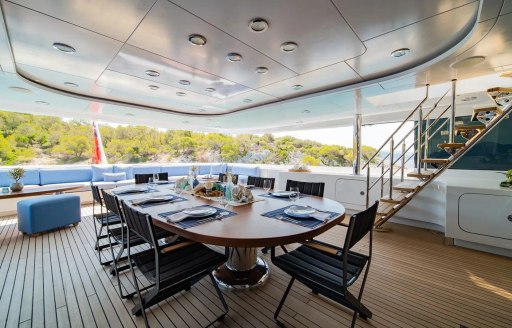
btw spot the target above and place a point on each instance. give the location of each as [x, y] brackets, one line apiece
[486, 215]
[353, 192]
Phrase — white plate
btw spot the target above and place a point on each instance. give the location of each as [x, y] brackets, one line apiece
[282, 193]
[299, 211]
[199, 212]
[161, 198]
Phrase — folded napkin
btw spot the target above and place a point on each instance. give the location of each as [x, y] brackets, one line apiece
[321, 216]
[159, 199]
[129, 190]
[176, 217]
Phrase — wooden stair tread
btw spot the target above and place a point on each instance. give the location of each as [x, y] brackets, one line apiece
[397, 197]
[498, 89]
[470, 127]
[385, 208]
[424, 174]
[408, 186]
[482, 111]
[451, 145]
[436, 160]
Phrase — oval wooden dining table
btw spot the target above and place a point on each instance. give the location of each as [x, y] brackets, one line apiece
[244, 233]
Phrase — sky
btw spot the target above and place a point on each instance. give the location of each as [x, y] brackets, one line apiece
[372, 135]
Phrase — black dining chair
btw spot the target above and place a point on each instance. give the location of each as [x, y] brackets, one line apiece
[234, 177]
[144, 177]
[258, 181]
[329, 270]
[119, 236]
[171, 268]
[307, 188]
[102, 221]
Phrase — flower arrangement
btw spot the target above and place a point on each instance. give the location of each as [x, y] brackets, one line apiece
[17, 173]
[300, 168]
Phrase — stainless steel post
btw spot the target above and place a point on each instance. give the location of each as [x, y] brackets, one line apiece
[382, 168]
[403, 162]
[418, 142]
[451, 129]
[391, 160]
[426, 138]
[368, 186]
[358, 122]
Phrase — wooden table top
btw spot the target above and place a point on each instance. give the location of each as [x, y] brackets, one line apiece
[248, 228]
[40, 190]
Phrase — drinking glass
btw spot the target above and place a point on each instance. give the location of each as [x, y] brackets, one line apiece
[156, 178]
[295, 194]
[267, 185]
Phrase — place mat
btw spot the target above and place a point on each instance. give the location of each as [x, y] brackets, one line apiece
[175, 199]
[305, 222]
[286, 199]
[130, 192]
[192, 222]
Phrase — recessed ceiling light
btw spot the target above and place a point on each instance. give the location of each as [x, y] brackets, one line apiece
[306, 111]
[297, 87]
[234, 57]
[289, 46]
[258, 25]
[153, 87]
[184, 82]
[247, 100]
[71, 84]
[20, 89]
[40, 102]
[261, 70]
[197, 39]
[210, 89]
[180, 94]
[400, 52]
[64, 47]
[468, 62]
[152, 73]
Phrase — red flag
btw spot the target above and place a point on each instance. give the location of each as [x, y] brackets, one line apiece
[98, 154]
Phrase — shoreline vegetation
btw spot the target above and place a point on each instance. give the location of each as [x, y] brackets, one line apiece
[27, 139]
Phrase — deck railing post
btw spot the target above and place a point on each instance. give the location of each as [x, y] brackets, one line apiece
[368, 186]
[403, 163]
[425, 146]
[451, 128]
[418, 142]
[382, 168]
[391, 160]
[358, 122]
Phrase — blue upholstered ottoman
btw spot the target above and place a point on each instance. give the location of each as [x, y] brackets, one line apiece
[45, 213]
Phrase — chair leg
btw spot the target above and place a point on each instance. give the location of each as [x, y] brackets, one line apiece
[221, 297]
[141, 300]
[282, 302]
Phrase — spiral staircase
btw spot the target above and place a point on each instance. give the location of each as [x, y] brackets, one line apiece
[392, 166]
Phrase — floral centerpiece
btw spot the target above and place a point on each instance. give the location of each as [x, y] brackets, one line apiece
[300, 168]
[17, 173]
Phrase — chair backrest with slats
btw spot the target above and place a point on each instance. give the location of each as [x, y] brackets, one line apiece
[308, 188]
[258, 181]
[140, 224]
[144, 178]
[96, 194]
[111, 203]
[222, 175]
[360, 225]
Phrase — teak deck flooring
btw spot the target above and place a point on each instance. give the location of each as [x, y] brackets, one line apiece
[55, 280]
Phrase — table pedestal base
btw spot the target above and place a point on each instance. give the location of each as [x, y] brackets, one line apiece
[244, 269]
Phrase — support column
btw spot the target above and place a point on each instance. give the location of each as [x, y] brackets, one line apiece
[358, 124]
[451, 129]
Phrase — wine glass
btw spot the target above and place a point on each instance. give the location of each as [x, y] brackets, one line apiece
[156, 178]
[294, 194]
[267, 185]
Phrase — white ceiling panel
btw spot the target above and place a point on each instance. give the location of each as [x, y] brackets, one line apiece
[323, 35]
[135, 90]
[241, 101]
[93, 51]
[58, 80]
[166, 29]
[113, 18]
[134, 61]
[490, 9]
[426, 39]
[370, 19]
[336, 75]
[507, 7]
